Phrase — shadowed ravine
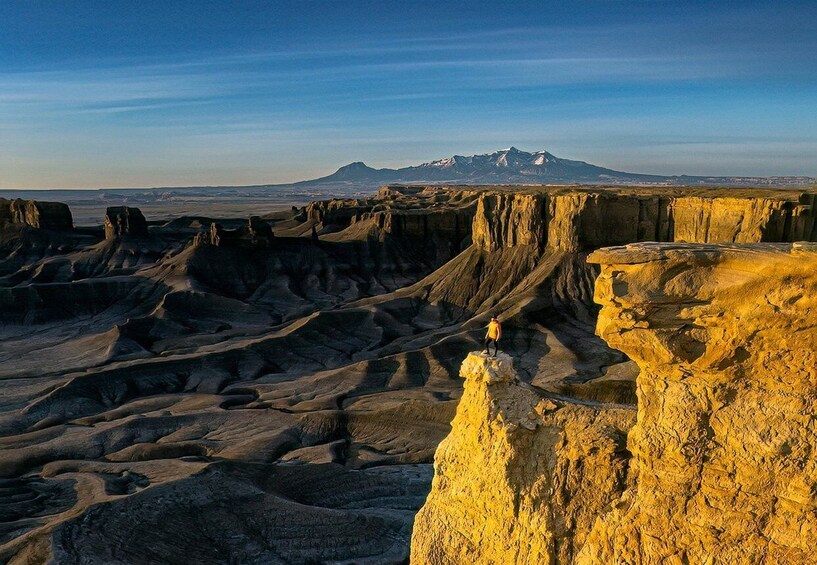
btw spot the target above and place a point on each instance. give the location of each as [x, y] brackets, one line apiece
[190, 392]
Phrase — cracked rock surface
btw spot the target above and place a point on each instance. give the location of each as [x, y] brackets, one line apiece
[726, 339]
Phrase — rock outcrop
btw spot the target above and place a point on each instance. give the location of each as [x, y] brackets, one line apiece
[255, 233]
[425, 224]
[335, 212]
[259, 230]
[723, 467]
[435, 222]
[35, 214]
[577, 219]
[509, 220]
[124, 220]
[521, 477]
[726, 339]
[392, 190]
[395, 211]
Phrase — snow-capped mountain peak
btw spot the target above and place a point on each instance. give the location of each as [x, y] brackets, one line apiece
[506, 166]
[449, 162]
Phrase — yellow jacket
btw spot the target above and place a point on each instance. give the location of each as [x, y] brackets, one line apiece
[494, 330]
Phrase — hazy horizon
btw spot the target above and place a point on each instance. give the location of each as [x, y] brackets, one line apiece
[283, 184]
[165, 94]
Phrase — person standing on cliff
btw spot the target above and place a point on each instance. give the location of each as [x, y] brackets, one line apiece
[494, 334]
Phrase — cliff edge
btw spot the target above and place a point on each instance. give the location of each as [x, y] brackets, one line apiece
[718, 468]
[726, 340]
[522, 476]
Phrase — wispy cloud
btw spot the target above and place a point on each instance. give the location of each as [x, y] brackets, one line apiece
[414, 86]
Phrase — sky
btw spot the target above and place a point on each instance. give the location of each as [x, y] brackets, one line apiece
[176, 93]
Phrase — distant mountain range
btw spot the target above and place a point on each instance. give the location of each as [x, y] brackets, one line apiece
[513, 166]
[507, 166]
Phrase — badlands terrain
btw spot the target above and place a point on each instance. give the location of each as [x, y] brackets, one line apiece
[272, 388]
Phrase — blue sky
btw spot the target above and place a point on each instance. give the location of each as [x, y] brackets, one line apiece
[106, 94]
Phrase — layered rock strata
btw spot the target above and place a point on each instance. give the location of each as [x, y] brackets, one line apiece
[726, 339]
[579, 219]
[723, 467]
[401, 211]
[521, 477]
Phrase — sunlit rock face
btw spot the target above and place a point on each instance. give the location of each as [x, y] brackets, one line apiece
[521, 477]
[578, 219]
[35, 214]
[509, 220]
[719, 465]
[726, 340]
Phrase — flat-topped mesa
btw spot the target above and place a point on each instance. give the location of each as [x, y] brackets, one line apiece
[395, 190]
[726, 340]
[521, 477]
[124, 220]
[335, 212]
[433, 220]
[256, 233]
[454, 224]
[575, 219]
[36, 214]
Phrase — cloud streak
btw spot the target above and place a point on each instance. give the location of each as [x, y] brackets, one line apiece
[268, 96]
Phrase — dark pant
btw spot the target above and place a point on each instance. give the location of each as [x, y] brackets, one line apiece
[488, 342]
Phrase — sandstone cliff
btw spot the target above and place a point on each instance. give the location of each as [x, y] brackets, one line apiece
[726, 338]
[410, 212]
[521, 476]
[723, 467]
[577, 219]
[432, 221]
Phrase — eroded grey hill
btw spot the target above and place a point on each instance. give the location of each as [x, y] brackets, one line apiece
[273, 389]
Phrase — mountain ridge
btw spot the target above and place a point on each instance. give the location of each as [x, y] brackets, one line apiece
[505, 165]
[509, 166]
[515, 166]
